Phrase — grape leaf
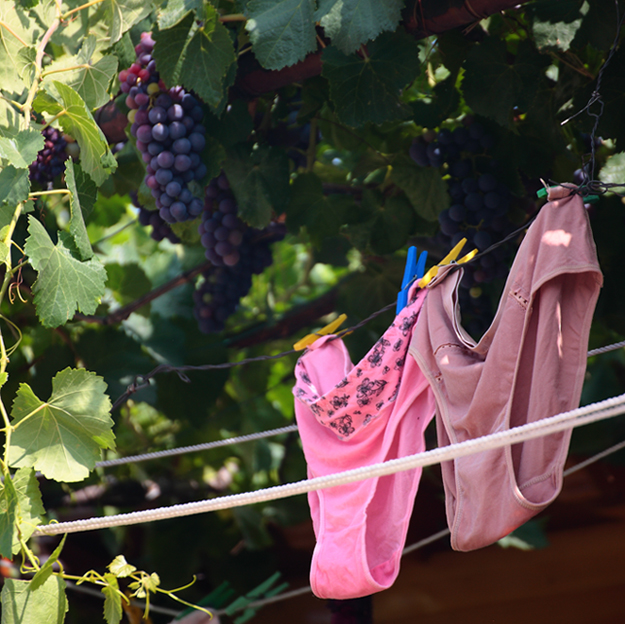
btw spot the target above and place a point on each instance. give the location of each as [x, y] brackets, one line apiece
[392, 226]
[90, 81]
[17, 30]
[120, 568]
[14, 186]
[282, 32]
[63, 101]
[121, 15]
[8, 514]
[308, 207]
[21, 148]
[259, 180]
[492, 86]
[62, 437]
[45, 572]
[198, 58]
[367, 89]
[83, 197]
[21, 604]
[350, 23]
[112, 600]
[30, 510]
[176, 10]
[555, 22]
[424, 187]
[64, 283]
[613, 172]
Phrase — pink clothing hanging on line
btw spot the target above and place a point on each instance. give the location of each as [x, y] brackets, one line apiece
[529, 365]
[350, 417]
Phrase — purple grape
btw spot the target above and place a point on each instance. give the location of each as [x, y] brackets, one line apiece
[179, 211]
[164, 176]
[173, 189]
[144, 133]
[182, 146]
[165, 159]
[182, 162]
[176, 130]
[157, 115]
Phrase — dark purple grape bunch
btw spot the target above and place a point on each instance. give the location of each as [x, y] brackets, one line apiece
[160, 228]
[51, 159]
[221, 231]
[246, 252]
[170, 138]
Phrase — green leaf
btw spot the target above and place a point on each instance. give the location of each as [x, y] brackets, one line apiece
[424, 187]
[120, 567]
[555, 22]
[442, 106]
[8, 516]
[21, 604]
[308, 207]
[112, 600]
[492, 86]
[199, 58]
[21, 148]
[613, 172]
[368, 89]
[83, 197]
[393, 225]
[63, 101]
[350, 23]
[282, 32]
[14, 186]
[121, 15]
[16, 29]
[30, 510]
[259, 180]
[62, 437]
[176, 10]
[64, 283]
[90, 80]
[45, 572]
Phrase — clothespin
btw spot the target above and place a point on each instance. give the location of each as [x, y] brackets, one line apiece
[413, 270]
[448, 259]
[306, 341]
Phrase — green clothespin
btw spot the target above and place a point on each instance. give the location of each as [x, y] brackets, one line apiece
[589, 199]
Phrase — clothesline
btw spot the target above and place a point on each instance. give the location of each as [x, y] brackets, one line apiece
[206, 446]
[560, 422]
[307, 589]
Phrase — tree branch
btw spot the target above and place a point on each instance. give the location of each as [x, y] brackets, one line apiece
[258, 80]
[123, 313]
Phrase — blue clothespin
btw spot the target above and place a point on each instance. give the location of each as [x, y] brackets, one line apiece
[414, 270]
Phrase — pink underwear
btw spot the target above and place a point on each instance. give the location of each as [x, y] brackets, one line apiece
[529, 365]
[350, 417]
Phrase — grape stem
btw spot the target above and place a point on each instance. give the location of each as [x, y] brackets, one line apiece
[73, 67]
[80, 8]
[233, 17]
[38, 64]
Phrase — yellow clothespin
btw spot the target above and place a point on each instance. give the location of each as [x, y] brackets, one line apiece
[306, 341]
[448, 259]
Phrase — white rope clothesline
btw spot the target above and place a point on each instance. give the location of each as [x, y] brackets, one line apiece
[206, 446]
[560, 422]
[308, 589]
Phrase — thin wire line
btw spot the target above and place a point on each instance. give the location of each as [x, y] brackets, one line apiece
[195, 447]
[256, 436]
[308, 589]
[560, 422]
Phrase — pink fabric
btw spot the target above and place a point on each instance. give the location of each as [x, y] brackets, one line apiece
[350, 417]
[529, 365]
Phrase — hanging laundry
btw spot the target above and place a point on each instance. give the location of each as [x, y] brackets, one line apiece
[352, 416]
[529, 365]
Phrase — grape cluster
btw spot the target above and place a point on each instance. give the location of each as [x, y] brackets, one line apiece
[221, 231]
[480, 202]
[160, 229]
[247, 253]
[51, 159]
[166, 124]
